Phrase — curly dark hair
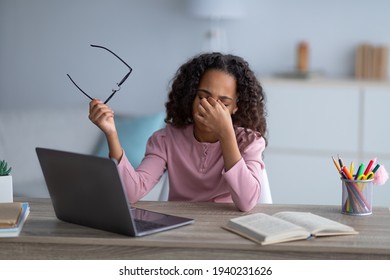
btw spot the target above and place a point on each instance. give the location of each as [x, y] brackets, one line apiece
[251, 113]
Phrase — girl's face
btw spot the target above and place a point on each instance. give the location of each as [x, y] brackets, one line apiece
[218, 85]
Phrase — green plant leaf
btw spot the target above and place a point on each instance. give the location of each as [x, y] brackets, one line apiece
[4, 170]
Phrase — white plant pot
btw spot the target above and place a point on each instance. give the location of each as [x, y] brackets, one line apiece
[6, 190]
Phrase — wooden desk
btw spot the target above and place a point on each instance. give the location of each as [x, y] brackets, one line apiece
[45, 237]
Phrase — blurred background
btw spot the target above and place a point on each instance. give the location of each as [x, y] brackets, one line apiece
[43, 40]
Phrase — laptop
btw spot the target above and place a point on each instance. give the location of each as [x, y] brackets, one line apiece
[87, 190]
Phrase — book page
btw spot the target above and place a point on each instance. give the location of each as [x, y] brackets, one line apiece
[263, 227]
[317, 225]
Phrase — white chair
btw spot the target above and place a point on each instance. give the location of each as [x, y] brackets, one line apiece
[265, 195]
[165, 187]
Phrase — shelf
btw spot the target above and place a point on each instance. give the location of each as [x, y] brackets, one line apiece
[323, 82]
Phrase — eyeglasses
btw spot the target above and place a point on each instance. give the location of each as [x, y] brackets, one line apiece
[118, 84]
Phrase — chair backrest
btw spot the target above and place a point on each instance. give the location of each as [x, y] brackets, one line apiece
[165, 187]
[265, 195]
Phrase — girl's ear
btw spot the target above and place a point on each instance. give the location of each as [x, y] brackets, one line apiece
[235, 110]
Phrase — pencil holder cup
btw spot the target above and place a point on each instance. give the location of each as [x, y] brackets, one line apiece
[357, 197]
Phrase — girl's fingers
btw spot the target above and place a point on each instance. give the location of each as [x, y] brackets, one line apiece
[98, 110]
[223, 106]
[212, 101]
[93, 103]
[204, 102]
[103, 114]
[202, 110]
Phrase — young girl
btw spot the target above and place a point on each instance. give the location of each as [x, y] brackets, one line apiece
[213, 142]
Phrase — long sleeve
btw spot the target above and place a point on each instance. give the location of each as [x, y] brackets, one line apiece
[245, 177]
[139, 181]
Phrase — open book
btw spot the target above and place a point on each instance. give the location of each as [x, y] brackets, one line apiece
[285, 226]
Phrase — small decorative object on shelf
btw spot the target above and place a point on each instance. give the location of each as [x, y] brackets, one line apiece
[302, 69]
[6, 190]
[371, 62]
[303, 57]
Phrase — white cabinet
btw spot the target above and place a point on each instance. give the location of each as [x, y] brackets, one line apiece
[311, 121]
[376, 137]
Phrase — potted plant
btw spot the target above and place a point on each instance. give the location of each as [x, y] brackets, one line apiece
[6, 190]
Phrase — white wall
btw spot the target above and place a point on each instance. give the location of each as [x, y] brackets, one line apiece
[42, 40]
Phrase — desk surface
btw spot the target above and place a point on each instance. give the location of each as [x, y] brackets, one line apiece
[45, 237]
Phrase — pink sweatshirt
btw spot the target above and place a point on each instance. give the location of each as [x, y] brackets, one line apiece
[196, 170]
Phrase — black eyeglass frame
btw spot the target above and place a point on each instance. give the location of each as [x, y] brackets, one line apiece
[118, 84]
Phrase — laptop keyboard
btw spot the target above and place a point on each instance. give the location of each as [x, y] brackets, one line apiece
[146, 225]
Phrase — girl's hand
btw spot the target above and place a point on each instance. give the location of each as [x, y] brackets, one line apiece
[215, 115]
[102, 116]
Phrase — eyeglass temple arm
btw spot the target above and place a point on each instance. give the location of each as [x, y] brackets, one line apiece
[79, 87]
[96, 46]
